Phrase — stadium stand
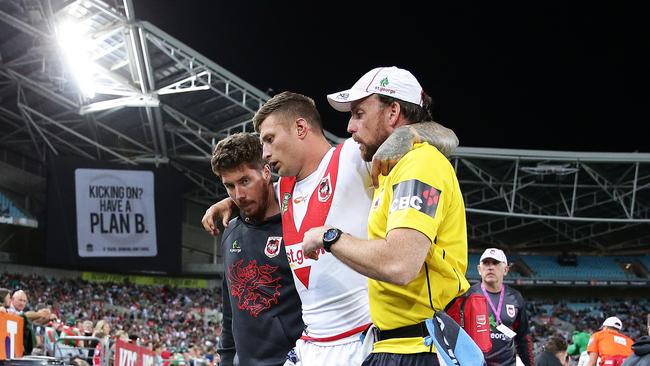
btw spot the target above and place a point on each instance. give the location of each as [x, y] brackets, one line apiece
[587, 268]
[181, 321]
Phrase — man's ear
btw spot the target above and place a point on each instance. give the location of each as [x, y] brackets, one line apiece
[394, 110]
[301, 127]
[266, 172]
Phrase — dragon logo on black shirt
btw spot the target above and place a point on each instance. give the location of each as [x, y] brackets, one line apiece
[254, 286]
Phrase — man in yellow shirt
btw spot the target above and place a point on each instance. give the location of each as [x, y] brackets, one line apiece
[416, 255]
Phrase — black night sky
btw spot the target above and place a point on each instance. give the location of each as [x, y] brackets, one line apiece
[541, 75]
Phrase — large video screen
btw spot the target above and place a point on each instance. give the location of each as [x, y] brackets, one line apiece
[104, 216]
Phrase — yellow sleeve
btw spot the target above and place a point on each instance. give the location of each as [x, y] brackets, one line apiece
[419, 191]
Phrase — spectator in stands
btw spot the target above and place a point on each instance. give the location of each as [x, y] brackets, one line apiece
[5, 299]
[641, 349]
[578, 347]
[19, 305]
[103, 332]
[258, 287]
[509, 327]
[554, 354]
[609, 344]
[18, 302]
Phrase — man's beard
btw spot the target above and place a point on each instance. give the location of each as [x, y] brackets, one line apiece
[368, 152]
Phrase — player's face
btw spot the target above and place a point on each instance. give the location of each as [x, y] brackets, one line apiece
[279, 145]
[492, 271]
[369, 125]
[248, 188]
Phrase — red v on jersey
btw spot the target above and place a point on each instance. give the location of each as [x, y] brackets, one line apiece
[317, 210]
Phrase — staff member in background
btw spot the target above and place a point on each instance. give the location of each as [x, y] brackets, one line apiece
[508, 319]
[609, 344]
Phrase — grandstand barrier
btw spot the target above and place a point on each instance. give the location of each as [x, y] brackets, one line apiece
[67, 348]
[128, 354]
[11, 330]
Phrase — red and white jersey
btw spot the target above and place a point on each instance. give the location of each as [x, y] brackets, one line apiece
[339, 193]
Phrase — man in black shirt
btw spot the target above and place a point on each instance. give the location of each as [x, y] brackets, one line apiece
[261, 309]
[508, 319]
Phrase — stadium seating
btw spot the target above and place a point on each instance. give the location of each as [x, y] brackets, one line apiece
[589, 267]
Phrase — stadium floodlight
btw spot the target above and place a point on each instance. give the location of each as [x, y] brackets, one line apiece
[76, 45]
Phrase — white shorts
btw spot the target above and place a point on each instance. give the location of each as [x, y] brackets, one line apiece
[349, 351]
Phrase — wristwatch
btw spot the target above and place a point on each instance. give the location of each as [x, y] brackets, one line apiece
[330, 237]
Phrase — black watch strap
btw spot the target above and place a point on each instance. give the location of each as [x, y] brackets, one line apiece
[330, 237]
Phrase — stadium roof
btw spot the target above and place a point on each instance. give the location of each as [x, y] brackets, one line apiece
[158, 101]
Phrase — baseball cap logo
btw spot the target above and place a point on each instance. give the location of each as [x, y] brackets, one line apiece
[383, 82]
[343, 96]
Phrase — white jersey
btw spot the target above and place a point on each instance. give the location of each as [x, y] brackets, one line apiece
[334, 297]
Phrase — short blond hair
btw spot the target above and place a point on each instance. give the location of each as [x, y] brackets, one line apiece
[292, 105]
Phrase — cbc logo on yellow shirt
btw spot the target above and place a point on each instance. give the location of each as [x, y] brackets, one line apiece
[416, 195]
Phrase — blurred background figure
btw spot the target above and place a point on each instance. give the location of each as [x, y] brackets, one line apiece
[609, 344]
[578, 347]
[554, 354]
[641, 349]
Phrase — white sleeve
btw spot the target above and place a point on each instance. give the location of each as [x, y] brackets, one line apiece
[276, 189]
[352, 153]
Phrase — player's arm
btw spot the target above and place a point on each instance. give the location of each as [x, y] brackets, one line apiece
[593, 357]
[376, 258]
[222, 210]
[592, 349]
[226, 345]
[402, 140]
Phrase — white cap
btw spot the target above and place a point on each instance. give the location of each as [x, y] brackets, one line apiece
[494, 253]
[613, 322]
[391, 81]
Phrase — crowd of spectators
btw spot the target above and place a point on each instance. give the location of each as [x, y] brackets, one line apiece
[182, 325]
[179, 324]
[565, 318]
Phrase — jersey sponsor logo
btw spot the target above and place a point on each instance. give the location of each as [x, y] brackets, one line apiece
[234, 247]
[620, 340]
[272, 247]
[254, 286]
[299, 263]
[510, 310]
[285, 202]
[325, 188]
[416, 195]
[499, 336]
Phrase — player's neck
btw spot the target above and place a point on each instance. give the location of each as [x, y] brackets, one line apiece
[312, 156]
[272, 207]
[494, 286]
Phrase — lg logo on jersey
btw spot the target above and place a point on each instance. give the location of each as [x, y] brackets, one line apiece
[416, 195]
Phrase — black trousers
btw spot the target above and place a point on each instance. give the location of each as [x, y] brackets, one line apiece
[393, 359]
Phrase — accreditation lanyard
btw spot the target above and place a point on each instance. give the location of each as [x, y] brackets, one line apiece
[497, 312]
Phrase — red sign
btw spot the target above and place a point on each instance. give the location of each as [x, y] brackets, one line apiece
[128, 354]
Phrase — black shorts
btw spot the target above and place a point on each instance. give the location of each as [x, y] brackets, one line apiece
[393, 359]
